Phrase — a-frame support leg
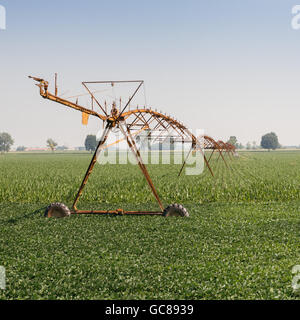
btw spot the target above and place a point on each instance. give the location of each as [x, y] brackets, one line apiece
[211, 155]
[194, 149]
[184, 162]
[135, 151]
[93, 162]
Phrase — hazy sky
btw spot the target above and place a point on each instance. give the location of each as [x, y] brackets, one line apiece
[228, 67]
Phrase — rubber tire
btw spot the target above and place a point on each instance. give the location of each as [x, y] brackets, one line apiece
[175, 210]
[57, 210]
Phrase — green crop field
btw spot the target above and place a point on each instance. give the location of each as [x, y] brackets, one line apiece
[240, 241]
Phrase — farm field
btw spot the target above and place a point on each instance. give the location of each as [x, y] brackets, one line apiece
[240, 242]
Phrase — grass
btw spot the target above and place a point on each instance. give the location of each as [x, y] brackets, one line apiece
[241, 240]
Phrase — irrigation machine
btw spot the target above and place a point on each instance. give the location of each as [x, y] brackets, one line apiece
[130, 122]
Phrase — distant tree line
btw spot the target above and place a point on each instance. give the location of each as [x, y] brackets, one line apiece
[269, 141]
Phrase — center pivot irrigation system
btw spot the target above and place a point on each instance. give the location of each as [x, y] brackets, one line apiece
[130, 123]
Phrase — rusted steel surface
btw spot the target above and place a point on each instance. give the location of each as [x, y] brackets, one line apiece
[117, 212]
[43, 85]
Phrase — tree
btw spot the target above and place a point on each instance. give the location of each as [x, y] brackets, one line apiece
[90, 142]
[62, 148]
[51, 144]
[21, 148]
[232, 140]
[6, 141]
[248, 146]
[270, 141]
[254, 145]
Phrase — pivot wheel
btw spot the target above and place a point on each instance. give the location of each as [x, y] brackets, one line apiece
[175, 210]
[57, 210]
